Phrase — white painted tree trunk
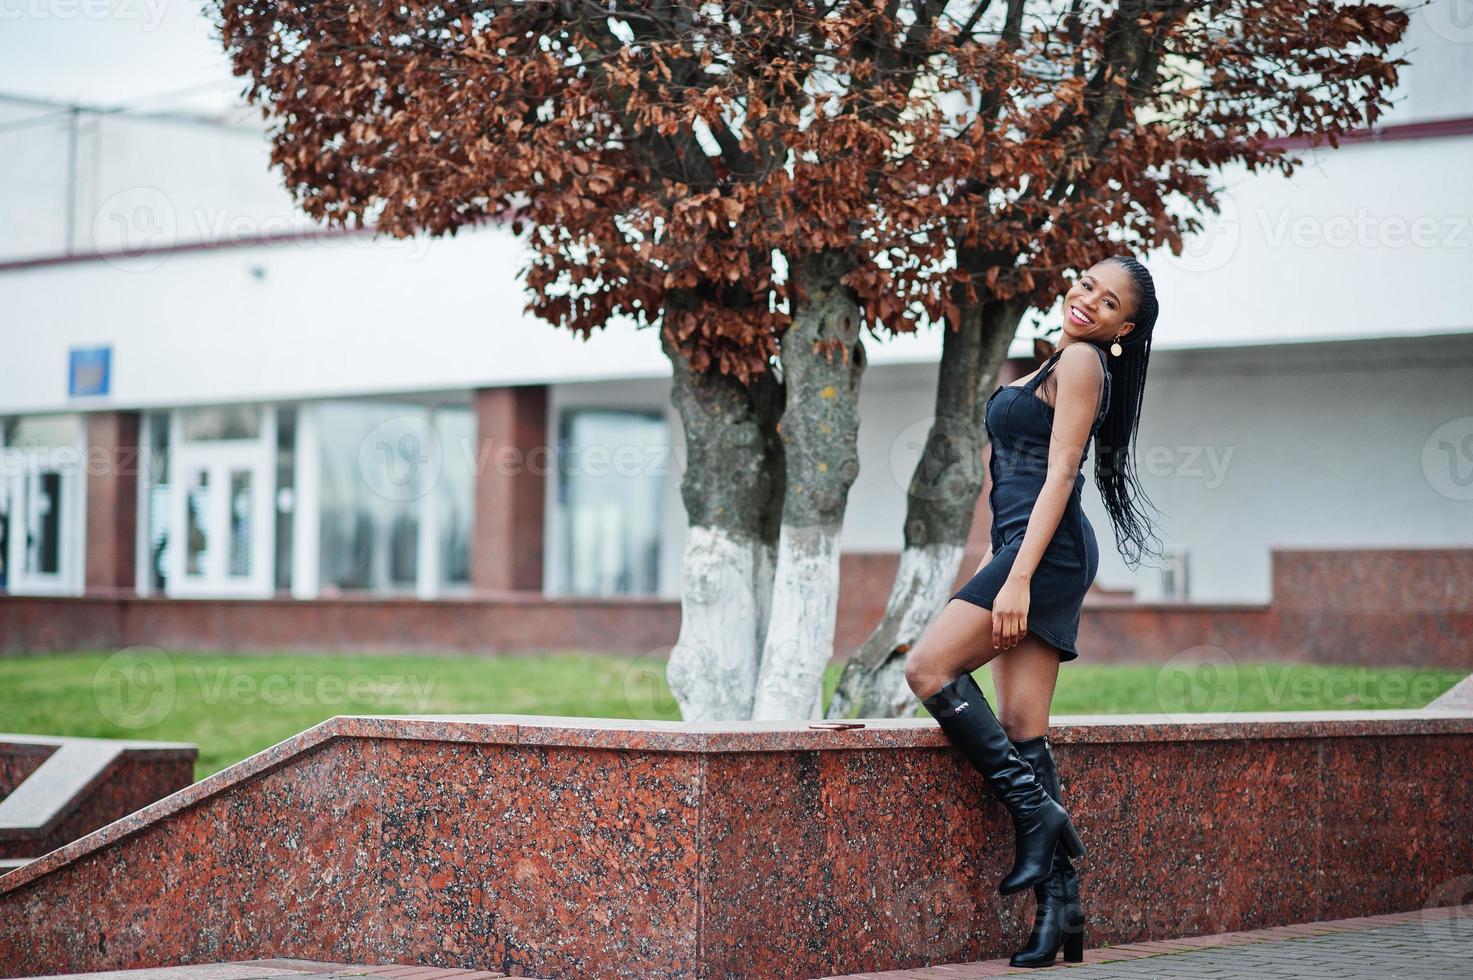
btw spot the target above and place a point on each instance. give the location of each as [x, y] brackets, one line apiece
[800, 628]
[763, 577]
[922, 586]
[713, 669]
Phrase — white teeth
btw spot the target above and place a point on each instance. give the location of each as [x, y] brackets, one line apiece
[1080, 314]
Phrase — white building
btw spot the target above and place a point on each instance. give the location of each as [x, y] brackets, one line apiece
[312, 409]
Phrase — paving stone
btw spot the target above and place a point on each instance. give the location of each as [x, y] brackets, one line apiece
[1430, 945]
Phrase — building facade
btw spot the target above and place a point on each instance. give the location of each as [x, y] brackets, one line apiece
[204, 397]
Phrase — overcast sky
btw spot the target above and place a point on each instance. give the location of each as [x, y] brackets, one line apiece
[112, 52]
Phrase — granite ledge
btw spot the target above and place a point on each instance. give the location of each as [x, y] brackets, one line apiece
[734, 737]
[73, 767]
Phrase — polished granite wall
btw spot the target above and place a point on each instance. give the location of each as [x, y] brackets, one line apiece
[580, 848]
[54, 790]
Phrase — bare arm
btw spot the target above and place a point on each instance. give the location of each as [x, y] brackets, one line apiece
[1080, 384]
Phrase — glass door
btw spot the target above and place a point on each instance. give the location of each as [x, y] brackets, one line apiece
[33, 505]
[223, 510]
[41, 504]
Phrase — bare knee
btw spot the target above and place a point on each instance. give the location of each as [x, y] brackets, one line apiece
[923, 673]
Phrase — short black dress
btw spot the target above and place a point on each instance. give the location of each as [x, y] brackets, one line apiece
[1019, 425]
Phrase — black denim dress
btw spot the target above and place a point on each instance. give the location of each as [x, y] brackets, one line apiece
[1019, 425]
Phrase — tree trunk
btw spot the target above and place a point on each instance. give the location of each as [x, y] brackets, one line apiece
[940, 502]
[732, 489]
[823, 361]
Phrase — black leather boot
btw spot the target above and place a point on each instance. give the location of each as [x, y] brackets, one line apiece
[1058, 921]
[1039, 823]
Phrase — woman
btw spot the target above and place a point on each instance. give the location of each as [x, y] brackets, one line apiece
[1020, 610]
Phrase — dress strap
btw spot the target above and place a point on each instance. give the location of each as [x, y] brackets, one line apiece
[1038, 376]
[1043, 371]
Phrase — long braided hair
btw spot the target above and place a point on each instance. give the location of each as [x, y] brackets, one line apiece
[1114, 442]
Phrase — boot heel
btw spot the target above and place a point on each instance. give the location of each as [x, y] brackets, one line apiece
[1073, 846]
[1074, 947]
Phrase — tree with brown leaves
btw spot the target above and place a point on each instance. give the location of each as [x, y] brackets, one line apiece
[762, 182]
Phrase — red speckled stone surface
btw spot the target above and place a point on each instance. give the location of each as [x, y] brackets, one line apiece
[127, 785]
[17, 761]
[569, 847]
[61, 788]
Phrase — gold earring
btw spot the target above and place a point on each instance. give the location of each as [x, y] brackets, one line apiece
[1115, 347]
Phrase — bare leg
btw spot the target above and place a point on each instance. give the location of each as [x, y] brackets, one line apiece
[1025, 677]
[938, 670]
[957, 641]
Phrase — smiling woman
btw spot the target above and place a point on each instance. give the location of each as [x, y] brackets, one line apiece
[1021, 440]
[1020, 610]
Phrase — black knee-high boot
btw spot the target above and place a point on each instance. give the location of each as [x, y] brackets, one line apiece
[1039, 822]
[1059, 918]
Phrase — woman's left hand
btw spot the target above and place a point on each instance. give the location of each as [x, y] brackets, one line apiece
[1010, 614]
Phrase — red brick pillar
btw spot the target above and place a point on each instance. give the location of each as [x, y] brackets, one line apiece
[515, 459]
[112, 500]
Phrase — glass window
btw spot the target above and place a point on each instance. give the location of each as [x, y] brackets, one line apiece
[611, 484]
[455, 492]
[222, 422]
[286, 493]
[156, 511]
[377, 461]
[41, 477]
[42, 432]
[242, 528]
[197, 523]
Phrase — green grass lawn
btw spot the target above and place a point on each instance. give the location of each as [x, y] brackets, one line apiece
[234, 705]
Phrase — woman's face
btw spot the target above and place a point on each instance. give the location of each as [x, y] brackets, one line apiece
[1096, 306]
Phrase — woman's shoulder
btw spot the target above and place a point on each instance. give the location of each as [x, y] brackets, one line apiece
[1082, 357]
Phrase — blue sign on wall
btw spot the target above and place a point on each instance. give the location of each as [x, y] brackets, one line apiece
[91, 371]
